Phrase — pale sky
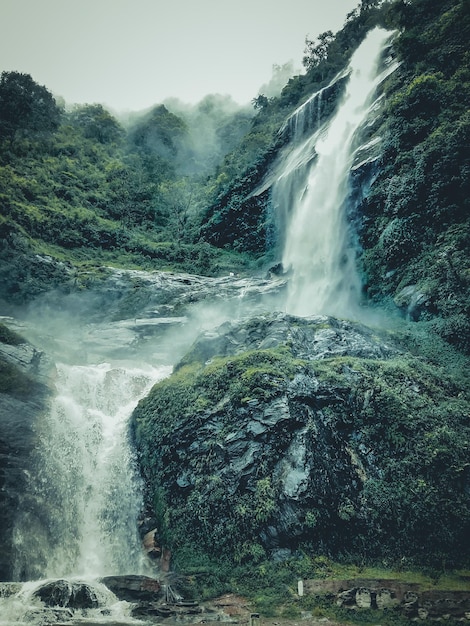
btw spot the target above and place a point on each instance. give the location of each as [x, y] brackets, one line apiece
[132, 54]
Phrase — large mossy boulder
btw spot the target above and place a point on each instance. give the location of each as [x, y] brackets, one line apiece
[279, 434]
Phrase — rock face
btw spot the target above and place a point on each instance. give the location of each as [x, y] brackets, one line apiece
[63, 593]
[25, 375]
[407, 598]
[117, 317]
[134, 588]
[280, 432]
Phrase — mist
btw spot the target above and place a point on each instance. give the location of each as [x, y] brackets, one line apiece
[215, 126]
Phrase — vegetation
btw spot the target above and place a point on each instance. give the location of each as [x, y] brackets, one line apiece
[416, 217]
[79, 190]
[77, 187]
[413, 221]
[272, 587]
[403, 420]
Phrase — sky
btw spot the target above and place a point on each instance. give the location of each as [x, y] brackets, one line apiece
[132, 54]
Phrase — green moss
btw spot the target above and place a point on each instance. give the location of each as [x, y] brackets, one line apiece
[410, 413]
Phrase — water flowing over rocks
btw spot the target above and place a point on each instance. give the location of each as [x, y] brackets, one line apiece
[63, 593]
[127, 310]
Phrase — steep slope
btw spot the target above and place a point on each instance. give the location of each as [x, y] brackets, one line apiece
[281, 434]
[409, 199]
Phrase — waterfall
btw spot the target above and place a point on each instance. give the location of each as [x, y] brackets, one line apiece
[319, 251]
[86, 488]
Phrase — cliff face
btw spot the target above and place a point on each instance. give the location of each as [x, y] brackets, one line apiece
[409, 195]
[24, 391]
[283, 433]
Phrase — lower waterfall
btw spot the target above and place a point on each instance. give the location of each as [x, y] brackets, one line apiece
[86, 479]
[79, 517]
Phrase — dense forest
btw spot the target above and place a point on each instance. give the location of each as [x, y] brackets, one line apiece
[183, 189]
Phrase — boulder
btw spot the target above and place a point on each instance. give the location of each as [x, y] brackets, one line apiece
[313, 440]
[64, 593]
[134, 587]
[363, 598]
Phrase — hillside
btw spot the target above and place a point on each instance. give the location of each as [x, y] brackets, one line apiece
[410, 206]
[283, 445]
[79, 190]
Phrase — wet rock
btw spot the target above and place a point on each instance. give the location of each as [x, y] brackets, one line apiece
[64, 593]
[294, 439]
[413, 302]
[133, 587]
[26, 389]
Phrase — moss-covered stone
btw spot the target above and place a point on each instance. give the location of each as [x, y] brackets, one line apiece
[258, 452]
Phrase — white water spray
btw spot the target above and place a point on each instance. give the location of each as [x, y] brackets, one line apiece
[87, 486]
[319, 252]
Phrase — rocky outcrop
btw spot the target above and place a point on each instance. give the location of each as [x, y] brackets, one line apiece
[409, 599]
[278, 432]
[25, 387]
[133, 587]
[63, 593]
[118, 316]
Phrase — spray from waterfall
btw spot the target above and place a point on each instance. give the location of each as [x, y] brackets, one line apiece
[86, 487]
[319, 250]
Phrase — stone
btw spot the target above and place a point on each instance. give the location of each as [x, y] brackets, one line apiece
[363, 598]
[410, 603]
[346, 598]
[385, 599]
[423, 613]
[19, 414]
[63, 593]
[134, 587]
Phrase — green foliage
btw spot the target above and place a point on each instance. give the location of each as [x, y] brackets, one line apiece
[403, 421]
[417, 212]
[224, 522]
[26, 109]
[76, 185]
[97, 124]
[159, 132]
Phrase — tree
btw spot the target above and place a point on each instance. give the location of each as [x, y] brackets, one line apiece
[260, 102]
[316, 53]
[26, 107]
[97, 123]
[159, 133]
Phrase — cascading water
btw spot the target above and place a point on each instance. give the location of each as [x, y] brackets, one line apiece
[86, 476]
[319, 252]
[80, 518]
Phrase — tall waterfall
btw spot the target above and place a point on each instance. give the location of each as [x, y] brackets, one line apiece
[86, 486]
[319, 250]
